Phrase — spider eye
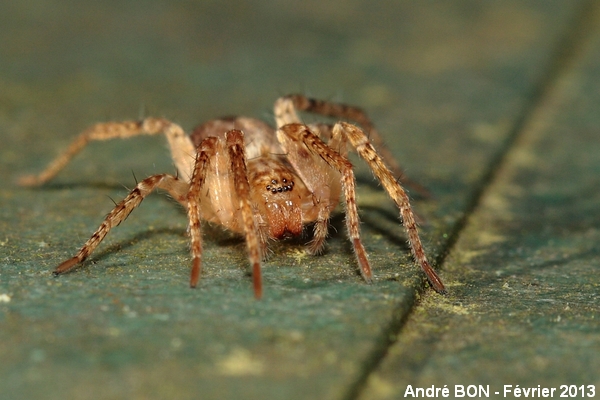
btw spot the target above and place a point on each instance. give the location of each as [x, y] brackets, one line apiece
[274, 187]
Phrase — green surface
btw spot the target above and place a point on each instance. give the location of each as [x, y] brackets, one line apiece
[525, 307]
[491, 105]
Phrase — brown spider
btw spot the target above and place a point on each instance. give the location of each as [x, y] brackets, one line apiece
[251, 179]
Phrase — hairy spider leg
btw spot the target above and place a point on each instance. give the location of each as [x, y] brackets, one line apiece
[285, 113]
[235, 146]
[182, 150]
[294, 133]
[204, 153]
[234, 143]
[365, 149]
[174, 186]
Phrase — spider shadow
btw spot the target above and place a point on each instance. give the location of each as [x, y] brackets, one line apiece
[368, 217]
[368, 180]
[101, 185]
[131, 242]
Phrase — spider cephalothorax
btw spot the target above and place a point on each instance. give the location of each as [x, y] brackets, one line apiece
[260, 182]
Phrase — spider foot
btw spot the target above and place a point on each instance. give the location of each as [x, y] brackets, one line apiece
[66, 266]
[363, 262]
[195, 275]
[434, 280]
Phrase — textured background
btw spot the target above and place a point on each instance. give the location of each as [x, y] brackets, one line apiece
[491, 105]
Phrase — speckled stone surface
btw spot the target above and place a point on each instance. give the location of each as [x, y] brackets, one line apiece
[472, 97]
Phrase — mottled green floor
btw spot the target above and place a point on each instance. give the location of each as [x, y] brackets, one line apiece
[491, 105]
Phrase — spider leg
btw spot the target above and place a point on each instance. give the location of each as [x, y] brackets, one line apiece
[320, 230]
[323, 182]
[321, 226]
[175, 187]
[207, 150]
[299, 133]
[235, 148]
[204, 153]
[285, 113]
[182, 150]
[365, 149]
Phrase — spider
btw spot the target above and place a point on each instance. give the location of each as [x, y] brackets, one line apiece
[260, 182]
